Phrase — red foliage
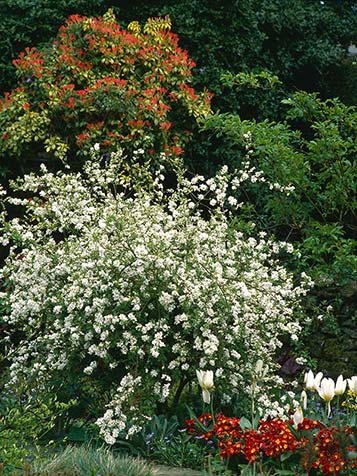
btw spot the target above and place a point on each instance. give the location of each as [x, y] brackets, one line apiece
[134, 83]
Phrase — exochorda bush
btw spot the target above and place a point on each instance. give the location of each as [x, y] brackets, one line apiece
[135, 293]
[101, 84]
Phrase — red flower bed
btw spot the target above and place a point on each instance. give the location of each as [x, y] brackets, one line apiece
[320, 450]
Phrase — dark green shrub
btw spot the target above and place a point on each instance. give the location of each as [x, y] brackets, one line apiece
[31, 23]
[304, 42]
[162, 441]
[313, 153]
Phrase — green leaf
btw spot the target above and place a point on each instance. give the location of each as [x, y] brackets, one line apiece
[245, 423]
[77, 434]
[285, 472]
[285, 456]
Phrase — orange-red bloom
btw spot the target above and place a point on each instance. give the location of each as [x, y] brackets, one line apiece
[319, 448]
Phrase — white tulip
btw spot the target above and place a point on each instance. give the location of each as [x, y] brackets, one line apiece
[304, 399]
[260, 368]
[340, 386]
[327, 389]
[205, 380]
[352, 384]
[298, 417]
[318, 378]
[311, 382]
[327, 392]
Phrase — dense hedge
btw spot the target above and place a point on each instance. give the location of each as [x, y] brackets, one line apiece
[25, 23]
[304, 42]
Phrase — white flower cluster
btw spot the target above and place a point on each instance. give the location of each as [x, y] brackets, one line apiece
[147, 286]
[249, 173]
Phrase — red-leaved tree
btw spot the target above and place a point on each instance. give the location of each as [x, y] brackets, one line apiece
[105, 87]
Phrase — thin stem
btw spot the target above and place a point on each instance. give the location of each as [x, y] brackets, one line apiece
[252, 411]
[338, 412]
[179, 390]
[212, 410]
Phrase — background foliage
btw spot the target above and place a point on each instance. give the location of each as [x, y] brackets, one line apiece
[26, 23]
[314, 152]
[304, 42]
[222, 36]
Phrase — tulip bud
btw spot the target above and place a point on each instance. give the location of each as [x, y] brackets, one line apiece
[298, 417]
[327, 392]
[340, 386]
[352, 384]
[318, 379]
[304, 399]
[311, 382]
[205, 380]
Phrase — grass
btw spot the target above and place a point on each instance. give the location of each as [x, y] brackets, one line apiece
[87, 461]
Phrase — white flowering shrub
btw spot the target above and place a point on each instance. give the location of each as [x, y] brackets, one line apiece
[139, 291]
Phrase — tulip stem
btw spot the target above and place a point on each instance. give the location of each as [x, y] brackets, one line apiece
[212, 410]
[252, 411]
[338, 413]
